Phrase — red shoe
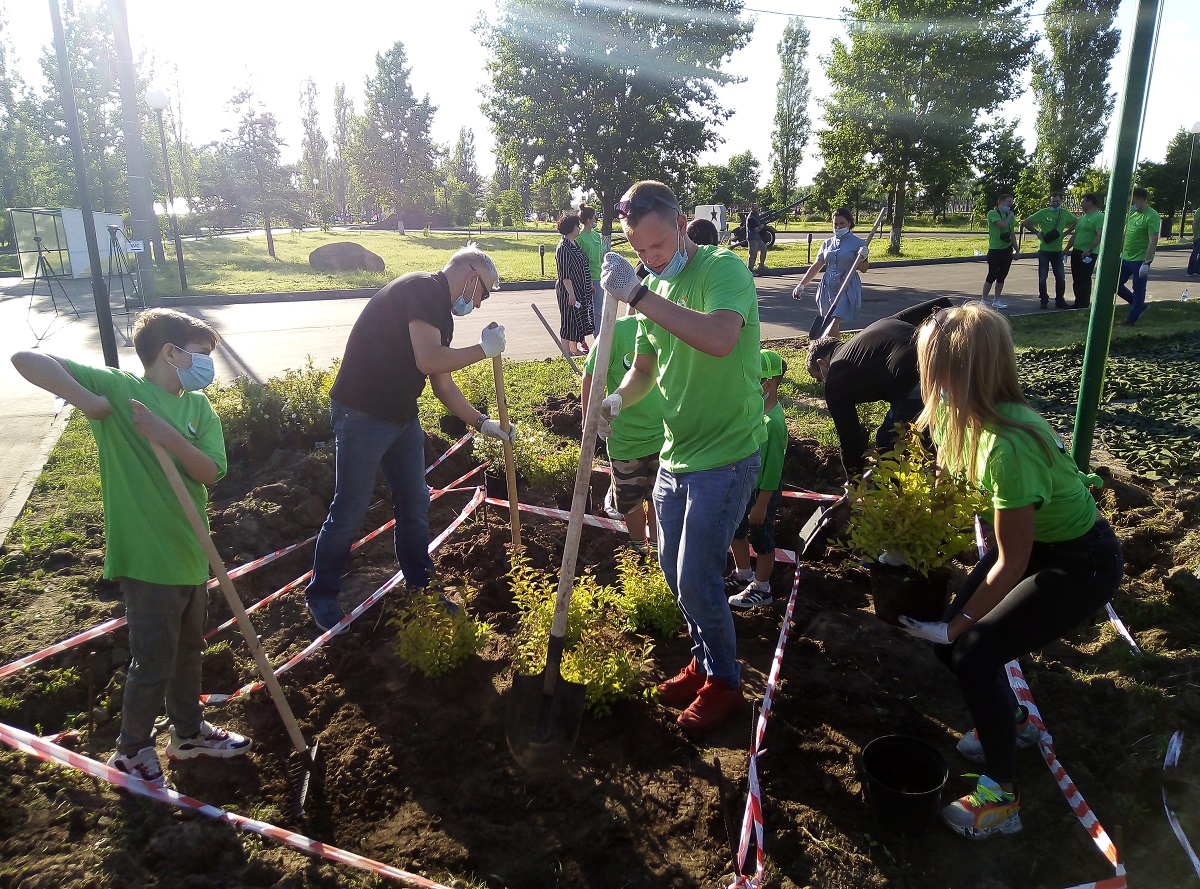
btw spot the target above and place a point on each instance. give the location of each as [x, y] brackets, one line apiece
[681, 689]
[715, 703]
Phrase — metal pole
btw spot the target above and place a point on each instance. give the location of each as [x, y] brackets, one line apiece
[162, 135]
[1186, 185]
[108, 337]
[1108, 266]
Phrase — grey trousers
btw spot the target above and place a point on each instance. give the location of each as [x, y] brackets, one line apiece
[166, 636]
[758, 247]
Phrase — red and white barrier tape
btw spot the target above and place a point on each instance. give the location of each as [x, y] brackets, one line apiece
[47, 751]
[1174, 749]
[366, 604]
[812, 495]
[454, 447]
[752, 819]
[1016, 680]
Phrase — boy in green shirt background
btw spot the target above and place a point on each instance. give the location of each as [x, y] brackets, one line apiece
[1193, 266]
[590, 242]
[1142, 228]
[150, 549]
[1050, 224]
[758, 526]
[1085, 241]
[1001, 224]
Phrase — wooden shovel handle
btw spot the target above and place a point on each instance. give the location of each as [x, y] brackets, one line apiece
[510, 467]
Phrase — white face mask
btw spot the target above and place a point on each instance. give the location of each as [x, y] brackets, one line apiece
[841, 232]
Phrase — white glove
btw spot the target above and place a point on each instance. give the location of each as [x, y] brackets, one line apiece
[931, 631]
[491, 338]
[491, 428]
[617, 276]
[798, 293]
[609, 408]
[1144, 271]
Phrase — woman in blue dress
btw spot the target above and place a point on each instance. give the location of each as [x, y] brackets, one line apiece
[836, 259]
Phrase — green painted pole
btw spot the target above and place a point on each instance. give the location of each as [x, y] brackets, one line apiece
[1108, 266]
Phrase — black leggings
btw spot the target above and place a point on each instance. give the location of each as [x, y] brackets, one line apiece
[1063, 586]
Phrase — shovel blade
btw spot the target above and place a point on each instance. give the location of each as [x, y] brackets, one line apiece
[820, 326]
[541, 728]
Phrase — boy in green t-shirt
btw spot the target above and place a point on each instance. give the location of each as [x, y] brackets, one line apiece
[1142, 227]
[633, 446]
[758, 527]
[1001, 247]
[1050, 224]
[1084, 243]
[150, 549]
[1193, 266]
[590, 242]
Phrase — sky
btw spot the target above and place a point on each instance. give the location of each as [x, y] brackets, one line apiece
[204, 52]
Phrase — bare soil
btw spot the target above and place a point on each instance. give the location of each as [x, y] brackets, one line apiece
[416, 772]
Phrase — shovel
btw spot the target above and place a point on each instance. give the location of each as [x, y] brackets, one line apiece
[544, 711]
[510, 469]
[307, 755]
[557, 341]
[820, 327]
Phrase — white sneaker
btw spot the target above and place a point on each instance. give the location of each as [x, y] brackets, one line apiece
[143, 764]
[1028, 735]
[209, 741]
[753, 596]
[999, 304]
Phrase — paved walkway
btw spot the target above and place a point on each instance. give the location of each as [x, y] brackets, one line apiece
[263, 339]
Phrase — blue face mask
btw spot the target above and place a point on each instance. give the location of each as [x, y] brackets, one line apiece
[199, 376]
[462, 305]
[675, 266]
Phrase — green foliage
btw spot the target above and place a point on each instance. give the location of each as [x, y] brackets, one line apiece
[289, 410]
[906, 509]
[547, 462]
[645, 599]
[792, 124]
[598, 652]
[433, 641]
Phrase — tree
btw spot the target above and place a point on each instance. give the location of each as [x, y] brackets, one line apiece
[392, 155]
[792, 125]
[463, 165]
[1093, 180]
[734, 184]
[912, 81]
[1166, 181]
[1071, 86]
[314, 147]
[570, 87]
[1000, 158]
[254, 151]
[343, 118]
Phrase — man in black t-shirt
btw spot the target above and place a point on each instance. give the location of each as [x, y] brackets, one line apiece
[401, 338]
[878, 364]
[754, 238]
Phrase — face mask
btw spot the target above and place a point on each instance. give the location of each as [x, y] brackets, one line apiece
[841, 232]
[199, 375]
[462, 305]
[675, 266]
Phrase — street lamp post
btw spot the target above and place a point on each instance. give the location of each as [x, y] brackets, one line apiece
[1187, 183]
[158, 100]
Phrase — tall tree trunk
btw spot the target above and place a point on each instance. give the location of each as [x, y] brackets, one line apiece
[898, 216]
[270, 237]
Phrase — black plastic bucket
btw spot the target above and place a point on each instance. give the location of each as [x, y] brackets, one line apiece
[905, 777]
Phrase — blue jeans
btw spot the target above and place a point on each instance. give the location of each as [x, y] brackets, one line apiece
[697, 515]
[1137, 296]
[1047, 260]
[364, 443]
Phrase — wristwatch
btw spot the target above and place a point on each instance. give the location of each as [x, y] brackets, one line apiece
[483, 418]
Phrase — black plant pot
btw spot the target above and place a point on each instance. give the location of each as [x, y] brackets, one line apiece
[897, 591]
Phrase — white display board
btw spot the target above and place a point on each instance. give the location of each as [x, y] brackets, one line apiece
[63, 239]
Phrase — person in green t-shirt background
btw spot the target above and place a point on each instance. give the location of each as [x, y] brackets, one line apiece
[150, 548]
[1001, 247]
[1142, 227]
[752, 586]
[698, 343]
[1050, 224]
[1193, 266]
[592, 245]
[1084, 242]
[633, 446]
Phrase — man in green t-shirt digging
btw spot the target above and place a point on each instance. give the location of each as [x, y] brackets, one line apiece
[1050, 224]
[698, 344]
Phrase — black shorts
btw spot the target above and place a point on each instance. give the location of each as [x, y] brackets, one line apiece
[762, 537]
[999, 262]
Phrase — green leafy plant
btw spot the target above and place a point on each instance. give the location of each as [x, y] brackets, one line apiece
[547, 462]
[433, 640]
[645, 599]
[906, 509]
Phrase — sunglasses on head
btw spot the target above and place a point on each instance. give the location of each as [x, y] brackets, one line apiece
[640, 205]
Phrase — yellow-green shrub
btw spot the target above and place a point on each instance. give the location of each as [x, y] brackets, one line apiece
[433, 641]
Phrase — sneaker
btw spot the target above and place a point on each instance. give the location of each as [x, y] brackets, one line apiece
[143, 765]
[735, 581]
[1028, 735]
[987, 810]
[1060, 304]
[716, 701]
[999, 304]
[610, 506]
[681, 689]
[209, 741]
[326, 613]
[753, 596]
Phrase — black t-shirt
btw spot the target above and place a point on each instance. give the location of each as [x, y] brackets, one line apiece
[752, 225]
[379, 374]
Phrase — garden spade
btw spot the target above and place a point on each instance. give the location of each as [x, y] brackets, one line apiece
[557, 341]
[510, 468]
[307, 755]
[820, 327]
[544, 712]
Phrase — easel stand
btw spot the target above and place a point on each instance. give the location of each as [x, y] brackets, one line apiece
[44, 273]
[121, 265]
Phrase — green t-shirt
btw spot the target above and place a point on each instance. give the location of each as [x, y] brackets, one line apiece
[773, 449]
[712, 407]
[1138, 229]
[593, 249]
[147, 536]
[638, 429]
[1048, 219]
[1014, 471]
[1086, 229]
[1196, 224]
[995, 241]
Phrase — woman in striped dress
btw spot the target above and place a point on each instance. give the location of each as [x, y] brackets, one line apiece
[573, 288]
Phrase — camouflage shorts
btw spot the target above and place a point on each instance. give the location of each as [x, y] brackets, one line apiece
[632, 483]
